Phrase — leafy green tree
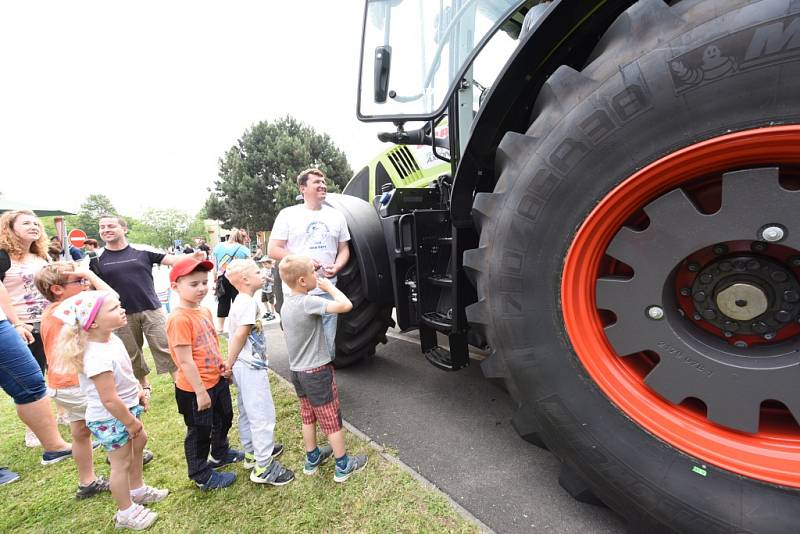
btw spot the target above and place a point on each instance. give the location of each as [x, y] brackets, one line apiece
[256, 174]
[88, 216]
[161, 227]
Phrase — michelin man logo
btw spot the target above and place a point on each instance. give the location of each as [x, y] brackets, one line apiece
[714, 66]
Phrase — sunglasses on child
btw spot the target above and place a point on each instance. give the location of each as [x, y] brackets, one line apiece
[80, 281]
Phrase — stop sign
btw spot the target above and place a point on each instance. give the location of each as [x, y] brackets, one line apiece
[77, 238]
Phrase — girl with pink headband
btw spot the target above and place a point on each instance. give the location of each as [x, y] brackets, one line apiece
[114, 397]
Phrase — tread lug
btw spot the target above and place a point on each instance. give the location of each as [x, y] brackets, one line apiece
[484, 207]
[575, 485]
[526, 426]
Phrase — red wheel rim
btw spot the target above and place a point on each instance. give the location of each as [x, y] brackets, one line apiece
[770, 455]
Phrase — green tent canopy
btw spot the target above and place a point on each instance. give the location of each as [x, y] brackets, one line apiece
[11, 205]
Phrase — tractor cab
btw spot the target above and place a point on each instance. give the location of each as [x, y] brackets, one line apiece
[422, 60]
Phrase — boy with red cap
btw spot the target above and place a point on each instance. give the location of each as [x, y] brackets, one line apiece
[202, 394]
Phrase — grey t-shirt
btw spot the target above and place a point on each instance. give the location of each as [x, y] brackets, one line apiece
[301, 316]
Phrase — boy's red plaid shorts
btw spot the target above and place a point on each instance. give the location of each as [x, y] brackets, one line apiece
[319, 398]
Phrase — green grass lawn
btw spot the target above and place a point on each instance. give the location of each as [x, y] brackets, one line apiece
[382, 498]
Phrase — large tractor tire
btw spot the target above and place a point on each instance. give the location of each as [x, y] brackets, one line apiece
[638, 268]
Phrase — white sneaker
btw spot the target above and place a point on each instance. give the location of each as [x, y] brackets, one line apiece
[31, 440]
[150, 495]
[139, 519]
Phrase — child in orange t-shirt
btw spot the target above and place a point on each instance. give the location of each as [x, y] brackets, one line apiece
[202, 394]
[56, 282]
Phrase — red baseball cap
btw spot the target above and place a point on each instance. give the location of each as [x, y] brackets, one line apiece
[189, 265]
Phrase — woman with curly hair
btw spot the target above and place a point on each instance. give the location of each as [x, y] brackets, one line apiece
[23, 252]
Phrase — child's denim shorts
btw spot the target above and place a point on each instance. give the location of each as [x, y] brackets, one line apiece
[111, 433]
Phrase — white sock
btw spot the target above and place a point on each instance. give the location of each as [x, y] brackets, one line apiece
[138, 491]
[127, 512]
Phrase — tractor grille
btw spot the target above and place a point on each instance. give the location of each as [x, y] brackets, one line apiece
[405, 165]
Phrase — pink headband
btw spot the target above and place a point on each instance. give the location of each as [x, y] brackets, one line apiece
[81, 308]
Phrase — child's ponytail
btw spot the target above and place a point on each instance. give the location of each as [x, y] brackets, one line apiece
[70, 348]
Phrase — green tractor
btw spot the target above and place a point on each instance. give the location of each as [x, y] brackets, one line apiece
[613, 222]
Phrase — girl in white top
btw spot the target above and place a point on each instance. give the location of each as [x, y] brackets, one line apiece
[114, 398]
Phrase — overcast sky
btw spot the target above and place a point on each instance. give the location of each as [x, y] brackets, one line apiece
[138, 100]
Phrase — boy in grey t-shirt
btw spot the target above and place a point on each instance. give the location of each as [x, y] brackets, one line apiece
[309, 361]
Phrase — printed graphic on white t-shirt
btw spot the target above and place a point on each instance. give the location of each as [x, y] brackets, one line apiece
[244, 311]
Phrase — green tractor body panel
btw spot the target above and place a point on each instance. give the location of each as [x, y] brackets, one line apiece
[402, 166]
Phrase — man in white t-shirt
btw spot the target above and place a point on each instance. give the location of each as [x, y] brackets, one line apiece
[315, 230]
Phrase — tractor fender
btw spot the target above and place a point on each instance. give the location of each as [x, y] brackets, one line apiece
[368, 246]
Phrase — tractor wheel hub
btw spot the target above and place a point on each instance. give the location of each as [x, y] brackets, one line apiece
[746, 294]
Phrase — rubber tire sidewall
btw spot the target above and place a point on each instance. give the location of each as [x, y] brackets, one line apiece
[644, 479]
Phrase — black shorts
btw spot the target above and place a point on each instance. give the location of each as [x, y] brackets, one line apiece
[224, 302]
[268, 297]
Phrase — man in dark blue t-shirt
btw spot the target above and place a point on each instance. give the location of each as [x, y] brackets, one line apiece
[129, 271]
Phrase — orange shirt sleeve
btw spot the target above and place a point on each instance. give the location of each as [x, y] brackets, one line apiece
[179, 330]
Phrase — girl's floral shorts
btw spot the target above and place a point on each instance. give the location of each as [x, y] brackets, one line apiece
[111, 433]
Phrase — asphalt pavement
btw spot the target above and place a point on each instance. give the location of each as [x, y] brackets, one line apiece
[455, 430]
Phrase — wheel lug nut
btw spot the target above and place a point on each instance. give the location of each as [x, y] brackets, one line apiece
[731, 325]
[709, 314]
[794, 261]
[699, 296]
[791, 296]
[740, 344]
[778, 276]
[727, 334]
[693, 267]
[783, 316]
[655, 313]
[772, 233]
[720, 249]
[696, 317]
[686, 291]
[706, 278]
[725, 266]
[758, 246]
[769, 335]
[753, 265]
[739, 265]
[759, 327]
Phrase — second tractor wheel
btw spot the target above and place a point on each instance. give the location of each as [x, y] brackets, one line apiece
[364, 327]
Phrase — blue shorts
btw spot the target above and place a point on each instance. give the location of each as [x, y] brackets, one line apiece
[20, 375]
[111, 433]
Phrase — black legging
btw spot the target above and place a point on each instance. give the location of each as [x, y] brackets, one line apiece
[37, 349]
[224, 302]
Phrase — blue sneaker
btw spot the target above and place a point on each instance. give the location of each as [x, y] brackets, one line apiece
[250, 459]
[51, 457]
[7, 476]
[231, 457]
[274, 474]
[354, 463]
[310, 468]
[217, 480]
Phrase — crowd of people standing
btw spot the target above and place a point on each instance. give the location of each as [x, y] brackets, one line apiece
[83, 325]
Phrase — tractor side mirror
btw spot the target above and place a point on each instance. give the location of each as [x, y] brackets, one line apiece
[383, 63]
